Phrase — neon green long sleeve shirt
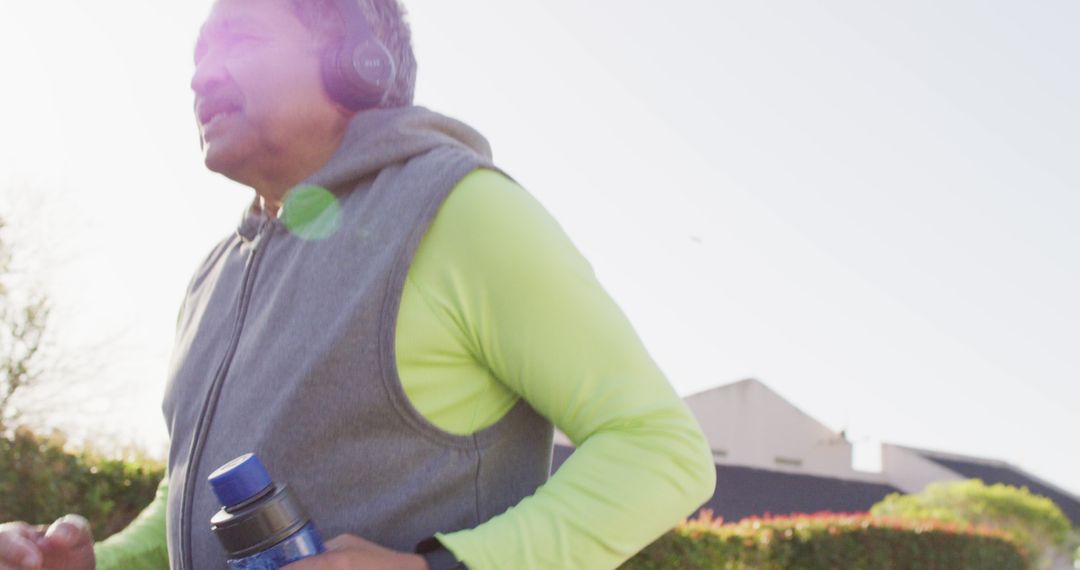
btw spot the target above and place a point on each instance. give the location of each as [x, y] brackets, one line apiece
[499, 305]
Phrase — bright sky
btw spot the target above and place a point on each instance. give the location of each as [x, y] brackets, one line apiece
[870, 207]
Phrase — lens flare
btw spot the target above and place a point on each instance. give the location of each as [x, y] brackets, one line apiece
[311, 213]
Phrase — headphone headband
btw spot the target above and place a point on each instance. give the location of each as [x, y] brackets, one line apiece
[356, 25]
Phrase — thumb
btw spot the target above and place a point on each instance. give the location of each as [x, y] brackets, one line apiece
[69, 531]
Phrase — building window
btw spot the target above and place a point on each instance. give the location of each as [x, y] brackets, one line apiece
[789, 462]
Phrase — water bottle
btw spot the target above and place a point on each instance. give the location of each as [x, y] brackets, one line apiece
[261, 524]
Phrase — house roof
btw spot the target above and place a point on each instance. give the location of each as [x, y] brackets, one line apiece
[745, 491]
[991, 472]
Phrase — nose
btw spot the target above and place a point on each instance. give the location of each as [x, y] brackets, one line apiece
[209, 72]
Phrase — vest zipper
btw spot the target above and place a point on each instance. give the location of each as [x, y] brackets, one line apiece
[206, 414]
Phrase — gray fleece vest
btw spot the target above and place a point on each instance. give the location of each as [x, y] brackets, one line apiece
[285, 348]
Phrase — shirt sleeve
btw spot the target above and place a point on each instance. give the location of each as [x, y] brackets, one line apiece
[531, 309]
[142, 544]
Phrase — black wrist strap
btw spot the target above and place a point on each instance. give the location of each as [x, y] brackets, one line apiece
[437, 556]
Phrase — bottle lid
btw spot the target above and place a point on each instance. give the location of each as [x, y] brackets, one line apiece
[240, 480]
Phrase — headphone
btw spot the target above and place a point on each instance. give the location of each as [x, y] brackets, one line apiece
[359, 71]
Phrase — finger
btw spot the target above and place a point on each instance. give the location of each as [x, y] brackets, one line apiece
[69, 531]
[331, 560]
[22, 529]
[18, 551]
[348, 542]
[351, 542]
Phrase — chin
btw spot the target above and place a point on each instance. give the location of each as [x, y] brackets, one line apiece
[220, 160]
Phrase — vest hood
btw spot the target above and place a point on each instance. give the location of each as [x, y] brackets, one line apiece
[377, 139]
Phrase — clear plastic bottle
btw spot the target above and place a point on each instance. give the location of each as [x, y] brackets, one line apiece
[262, 525]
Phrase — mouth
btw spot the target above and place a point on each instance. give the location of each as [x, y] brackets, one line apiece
[210, 109]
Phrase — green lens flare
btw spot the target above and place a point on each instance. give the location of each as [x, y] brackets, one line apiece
[311, 213]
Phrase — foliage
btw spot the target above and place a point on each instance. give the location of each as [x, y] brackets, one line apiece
[1036, 522]
[22, 328]
[41, 481]
[829, 541]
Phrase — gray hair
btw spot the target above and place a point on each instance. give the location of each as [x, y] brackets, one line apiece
[387, 19]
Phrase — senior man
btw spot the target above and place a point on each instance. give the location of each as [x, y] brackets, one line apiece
[394, 327]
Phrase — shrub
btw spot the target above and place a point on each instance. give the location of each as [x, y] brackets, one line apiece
[41, 481]
[829, 541]
[1036, 522]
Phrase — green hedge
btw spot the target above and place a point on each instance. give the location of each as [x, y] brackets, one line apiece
[41, 481]
[829, 541]
[1034, 521]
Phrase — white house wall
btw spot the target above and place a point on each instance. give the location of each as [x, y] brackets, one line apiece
[748, 424]
[911, 472]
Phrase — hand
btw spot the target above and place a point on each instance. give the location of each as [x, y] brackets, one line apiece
[67, 544]
[349, 552]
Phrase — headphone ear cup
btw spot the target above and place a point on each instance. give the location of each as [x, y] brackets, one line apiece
[358, 75]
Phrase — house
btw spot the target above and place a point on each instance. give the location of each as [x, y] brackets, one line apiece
[772, 457]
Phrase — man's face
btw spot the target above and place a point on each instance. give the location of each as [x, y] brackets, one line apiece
[259, 97]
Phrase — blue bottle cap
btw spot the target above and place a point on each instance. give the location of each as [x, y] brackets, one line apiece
[240, 480]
